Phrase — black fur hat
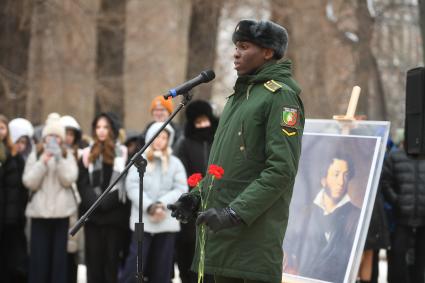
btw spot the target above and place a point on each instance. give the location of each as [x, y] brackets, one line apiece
[263, 33]
[197, 108]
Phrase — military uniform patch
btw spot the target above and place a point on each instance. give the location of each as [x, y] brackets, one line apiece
[289, 117]
[272, 85]
[289, 121]
[289, 132]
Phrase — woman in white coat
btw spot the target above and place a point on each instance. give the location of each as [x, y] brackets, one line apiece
[163, 183]
[49, 174]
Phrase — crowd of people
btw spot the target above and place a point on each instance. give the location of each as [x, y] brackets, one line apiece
[51, 174]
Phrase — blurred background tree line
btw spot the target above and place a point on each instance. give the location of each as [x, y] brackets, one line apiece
[80, 57]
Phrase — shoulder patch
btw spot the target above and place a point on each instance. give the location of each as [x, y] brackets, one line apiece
[272, 85]
[290, 117]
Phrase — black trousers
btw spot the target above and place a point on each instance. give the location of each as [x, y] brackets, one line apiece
[48, 258]
[13, 254]
[398, 270]
[103, 244]
[158, 250]
[72, 267]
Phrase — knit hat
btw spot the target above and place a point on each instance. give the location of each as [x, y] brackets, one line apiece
[113, 120]
[155, 127]
[20, 127]
[70, 122]
[266, 34]
[160, 100]
[53, 126]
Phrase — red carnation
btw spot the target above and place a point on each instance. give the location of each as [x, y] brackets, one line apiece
[216, 171]
[194, 179]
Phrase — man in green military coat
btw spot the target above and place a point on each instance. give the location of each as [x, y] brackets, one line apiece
[258, 143]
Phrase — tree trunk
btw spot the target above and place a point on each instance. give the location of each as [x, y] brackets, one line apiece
[322, 63]
[110, 57]
[203, 42]
[372, 99]
[327, 62]
[61, 73]
[15, 32]
[155, 54]
[421, 4]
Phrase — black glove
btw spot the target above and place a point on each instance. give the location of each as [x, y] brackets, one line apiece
[220, 219]
[185, 208]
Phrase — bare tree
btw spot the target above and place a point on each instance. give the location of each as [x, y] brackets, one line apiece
[421, 4]
[397, 48]
[331, 46]
[15, 32]
[155, 54]
[203, 41]
[372, 101]
[110, 57]
[322, 64]
[61, 73]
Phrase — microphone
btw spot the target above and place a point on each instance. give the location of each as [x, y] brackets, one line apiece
[203, 77]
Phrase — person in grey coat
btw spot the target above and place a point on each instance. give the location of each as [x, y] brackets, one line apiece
[163, 183]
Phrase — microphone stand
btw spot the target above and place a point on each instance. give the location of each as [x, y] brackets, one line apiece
[140, 162]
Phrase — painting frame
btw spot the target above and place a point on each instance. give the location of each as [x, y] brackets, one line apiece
[375, 133]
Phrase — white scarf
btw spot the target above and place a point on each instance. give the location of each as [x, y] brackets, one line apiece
[118, 166]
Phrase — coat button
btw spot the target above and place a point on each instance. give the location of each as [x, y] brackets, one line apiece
[242, 148]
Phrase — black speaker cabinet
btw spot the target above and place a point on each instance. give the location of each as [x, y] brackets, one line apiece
[414, 130]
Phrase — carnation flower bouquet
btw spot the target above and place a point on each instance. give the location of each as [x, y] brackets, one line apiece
[215, 172]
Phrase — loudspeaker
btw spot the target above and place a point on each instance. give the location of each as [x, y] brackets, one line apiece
[414, 128]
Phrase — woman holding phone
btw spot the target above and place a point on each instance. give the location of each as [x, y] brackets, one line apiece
[49, 174]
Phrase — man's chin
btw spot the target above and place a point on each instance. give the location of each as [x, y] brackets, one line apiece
[336, 199]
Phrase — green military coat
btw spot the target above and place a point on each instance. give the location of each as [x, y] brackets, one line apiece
[258, 143]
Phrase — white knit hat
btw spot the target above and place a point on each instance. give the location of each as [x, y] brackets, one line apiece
[155, 127]
[20, 127]
[53, 126]
[70, 122]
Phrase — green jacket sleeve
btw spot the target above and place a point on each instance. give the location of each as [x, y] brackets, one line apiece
[282, 150]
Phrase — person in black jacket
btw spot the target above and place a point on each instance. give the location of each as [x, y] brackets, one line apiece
[106, 228]
[193, 150]
[13, 200]
[403, 181]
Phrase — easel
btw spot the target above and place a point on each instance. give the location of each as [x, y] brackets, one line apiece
[349, 117]
[352, 106]
[346, 121]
